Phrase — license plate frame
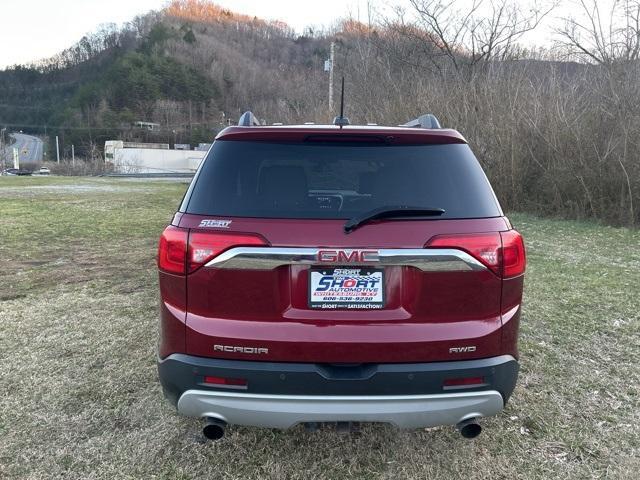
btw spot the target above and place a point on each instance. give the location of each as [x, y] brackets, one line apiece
[371, 296]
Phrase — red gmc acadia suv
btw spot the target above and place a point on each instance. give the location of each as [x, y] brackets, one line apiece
[337, 273]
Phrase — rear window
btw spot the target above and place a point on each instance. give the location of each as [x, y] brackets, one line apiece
[337, 180]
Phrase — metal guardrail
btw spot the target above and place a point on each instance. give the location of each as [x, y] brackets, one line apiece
[149, 175]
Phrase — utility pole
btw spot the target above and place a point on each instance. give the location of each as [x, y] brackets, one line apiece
[57, 149]
[331, 64]
[73, 155]
[2, 147]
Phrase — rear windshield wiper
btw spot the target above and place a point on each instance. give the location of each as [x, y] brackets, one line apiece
[390, 212]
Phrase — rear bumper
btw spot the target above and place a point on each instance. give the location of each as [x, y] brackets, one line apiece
[284, 411]
[280, 395]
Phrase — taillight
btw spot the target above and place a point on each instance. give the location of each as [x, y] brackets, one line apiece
[483, 246]
[204, 246]
[172, 251]
[502, 252]
[514, 258]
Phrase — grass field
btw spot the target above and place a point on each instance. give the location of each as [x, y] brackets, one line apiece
[79, 397]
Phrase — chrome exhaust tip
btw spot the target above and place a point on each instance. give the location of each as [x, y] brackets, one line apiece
[214, 428]
[469, 428]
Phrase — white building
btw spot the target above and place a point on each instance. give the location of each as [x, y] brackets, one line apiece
[152, 127]
[150, 158]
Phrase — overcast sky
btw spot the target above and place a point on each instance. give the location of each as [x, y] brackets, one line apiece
[35, 29]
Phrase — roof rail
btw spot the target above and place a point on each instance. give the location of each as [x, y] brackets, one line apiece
[248, 119]
[427, 120]
[341, 121]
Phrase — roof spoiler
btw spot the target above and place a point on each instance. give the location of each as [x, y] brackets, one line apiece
[248, 119]
[427, 120]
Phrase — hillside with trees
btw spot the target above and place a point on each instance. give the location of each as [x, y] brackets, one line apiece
[557, 130]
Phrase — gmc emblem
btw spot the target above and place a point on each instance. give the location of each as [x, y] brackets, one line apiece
[347, 256]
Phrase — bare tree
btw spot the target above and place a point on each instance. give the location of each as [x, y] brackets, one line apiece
[483, 31]
[603, 38]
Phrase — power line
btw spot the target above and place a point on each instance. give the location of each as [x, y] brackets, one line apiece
[123, 129]
[23, 107]
[54, 127]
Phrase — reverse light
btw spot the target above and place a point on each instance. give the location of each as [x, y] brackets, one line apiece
[502, 252]
[204, 246]
[172, 250]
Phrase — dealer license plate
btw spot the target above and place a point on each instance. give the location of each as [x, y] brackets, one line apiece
[346, 288]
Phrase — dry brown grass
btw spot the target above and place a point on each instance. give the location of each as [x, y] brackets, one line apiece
[79, 397]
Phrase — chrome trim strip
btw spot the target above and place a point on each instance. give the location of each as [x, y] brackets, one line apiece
[268, 258]
[284, 411]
